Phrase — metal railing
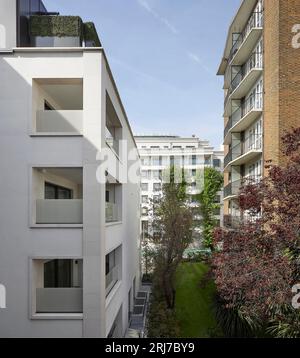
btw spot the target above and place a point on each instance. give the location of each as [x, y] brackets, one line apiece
[255, 21]
[253, 142]
[253, 102]
[233, 188]
[254, 61]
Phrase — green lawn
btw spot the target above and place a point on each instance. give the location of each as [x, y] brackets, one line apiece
[194, 307]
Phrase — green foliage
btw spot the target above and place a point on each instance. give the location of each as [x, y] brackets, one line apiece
[234, 323]
[91, 35]
[60, 26]
[213, 182]
[161, 321]
[285, 322]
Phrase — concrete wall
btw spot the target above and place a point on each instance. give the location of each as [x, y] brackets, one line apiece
[8, 24]
[20, 243]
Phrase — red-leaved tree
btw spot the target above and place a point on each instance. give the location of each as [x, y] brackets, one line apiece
[259, 262]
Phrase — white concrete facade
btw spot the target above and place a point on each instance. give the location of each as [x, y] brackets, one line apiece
[156, 152]
[60, 155]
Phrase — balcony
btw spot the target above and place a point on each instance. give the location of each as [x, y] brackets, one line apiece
[244, 80]
[232, 221]
[232, 189]
[59, 211]
[111, 279]
[59, 300]
[244, 116]
[57, 286]
[111, 212]
[57, 106]
[244, 151]
[57, 196]
[59, 121]
[247, 39]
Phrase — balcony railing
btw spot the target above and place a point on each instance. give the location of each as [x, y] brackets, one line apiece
[236, 221]
[233, 188]
[253, 142]
[59, 300]
[111, 212]
[255, 21]
[111, 279]
[254, 61]
[59, 211]
[254, 102]
[59, 122]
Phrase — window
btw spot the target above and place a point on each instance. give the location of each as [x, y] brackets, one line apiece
[63, 274]
[194, 172]
[53, 191]
[145, 161]
[145, 174]
[155, 174]
[144, 186]
[156, 198]
[207, 160]
[194, 160]
[216, 163]
[145, 199]
[48, 107]
[156, 186]
[156, 161]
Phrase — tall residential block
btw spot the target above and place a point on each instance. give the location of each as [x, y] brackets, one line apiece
[158, 153]
[261, 66]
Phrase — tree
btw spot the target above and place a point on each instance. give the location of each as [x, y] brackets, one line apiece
[213, 181]
[259, 262]
[172, 225]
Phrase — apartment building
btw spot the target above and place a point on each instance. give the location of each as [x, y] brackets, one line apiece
[69, 241]
[260, 68]
[159, 153]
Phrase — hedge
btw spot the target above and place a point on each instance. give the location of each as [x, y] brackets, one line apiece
[59, 26]
[90, 34]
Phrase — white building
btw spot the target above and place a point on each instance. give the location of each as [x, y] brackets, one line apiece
[69, 249]
[160, 152]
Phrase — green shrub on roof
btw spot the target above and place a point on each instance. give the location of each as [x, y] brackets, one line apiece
[90, 34]
[59, 26]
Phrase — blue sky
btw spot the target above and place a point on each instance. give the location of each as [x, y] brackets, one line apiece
[164, 56]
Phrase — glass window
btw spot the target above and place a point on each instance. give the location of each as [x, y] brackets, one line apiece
[53, 191]
[145, 199]
[157, 186]
[144, 187]
[217, 163]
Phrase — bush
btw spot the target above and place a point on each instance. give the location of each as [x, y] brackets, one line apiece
[59, 26]
[162, 321]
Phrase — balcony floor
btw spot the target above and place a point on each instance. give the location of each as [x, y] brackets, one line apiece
[243, 124]
[247, 46]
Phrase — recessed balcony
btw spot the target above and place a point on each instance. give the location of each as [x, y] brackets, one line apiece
[57, 194]
[243, 152]
[57, 106]
[57, 286]
[244, 116]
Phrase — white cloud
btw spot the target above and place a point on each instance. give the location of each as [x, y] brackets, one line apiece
[195, 58]
[144, 4]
